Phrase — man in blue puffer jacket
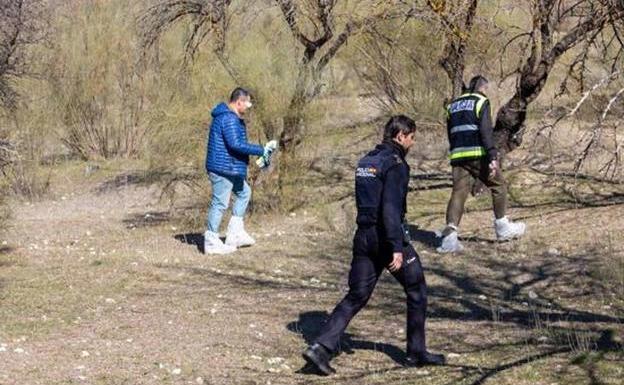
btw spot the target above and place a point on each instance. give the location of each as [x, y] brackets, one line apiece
[227, 157]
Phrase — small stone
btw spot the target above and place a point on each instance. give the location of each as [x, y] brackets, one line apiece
[422, 372]
[553, 252]
[543, 339]
[84, 353]
[482, 297]
[109, 300]
[275, 360]
[18, 350]
[90, 169]
[254, 357]
[453, 355]
[176, 371]
[199, 381]
[532, 294]
[3, 348]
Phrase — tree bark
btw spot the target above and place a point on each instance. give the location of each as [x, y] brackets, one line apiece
[508, 130]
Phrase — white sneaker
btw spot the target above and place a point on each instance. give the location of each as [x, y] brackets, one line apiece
[214, 245]
[236, 234]
[506, 229]
[450, 244]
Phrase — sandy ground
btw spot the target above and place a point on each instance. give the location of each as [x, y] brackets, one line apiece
[103, 288]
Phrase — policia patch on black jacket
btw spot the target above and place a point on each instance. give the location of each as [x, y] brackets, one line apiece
[381, 181]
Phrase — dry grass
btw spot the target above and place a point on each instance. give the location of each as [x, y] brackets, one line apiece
[96, 288]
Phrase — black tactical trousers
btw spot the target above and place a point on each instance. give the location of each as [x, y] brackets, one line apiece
[367, 264]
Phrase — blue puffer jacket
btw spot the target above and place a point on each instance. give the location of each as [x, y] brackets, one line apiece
[228, 151]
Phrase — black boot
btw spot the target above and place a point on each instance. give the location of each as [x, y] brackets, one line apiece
[318, 356]
[424, 359]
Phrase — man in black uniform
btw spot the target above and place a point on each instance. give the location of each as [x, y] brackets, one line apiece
[381, 181]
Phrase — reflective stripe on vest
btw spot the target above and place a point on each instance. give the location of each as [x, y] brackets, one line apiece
[463, 119]
[467, 152]
[464, 127]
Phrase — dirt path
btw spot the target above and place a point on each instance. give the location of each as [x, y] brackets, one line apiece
[103, 289]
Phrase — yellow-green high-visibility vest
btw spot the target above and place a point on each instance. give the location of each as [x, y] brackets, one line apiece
[463, 120]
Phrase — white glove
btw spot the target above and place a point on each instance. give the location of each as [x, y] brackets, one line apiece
[265, 160]
[271, 146]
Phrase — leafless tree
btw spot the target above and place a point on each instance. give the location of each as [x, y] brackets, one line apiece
[316, 25]
[558, 26]
[207, 18]
[21, 25]
[321, 34]
[458, 18]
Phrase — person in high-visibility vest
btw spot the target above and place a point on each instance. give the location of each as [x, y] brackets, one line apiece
[474, 155]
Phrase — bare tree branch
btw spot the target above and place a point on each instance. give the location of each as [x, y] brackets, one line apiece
[318, 52]
[534, 73]
[459, 29]
[207, 16]
[22, 25]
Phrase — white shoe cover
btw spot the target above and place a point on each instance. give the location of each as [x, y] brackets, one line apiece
[506, 229]
[214, 245]
[236, 234]
[450, 244]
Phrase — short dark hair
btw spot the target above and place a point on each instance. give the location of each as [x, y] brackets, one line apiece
[475, 83]
[399, 123]
[238, 93]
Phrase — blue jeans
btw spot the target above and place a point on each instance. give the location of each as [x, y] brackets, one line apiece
[222, 187]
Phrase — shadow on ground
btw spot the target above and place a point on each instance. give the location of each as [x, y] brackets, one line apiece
[309, 326]
[195, 239]
[542, 299]
[425, 237]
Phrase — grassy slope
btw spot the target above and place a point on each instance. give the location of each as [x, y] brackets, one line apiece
[95, 288]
